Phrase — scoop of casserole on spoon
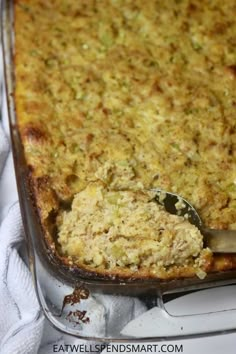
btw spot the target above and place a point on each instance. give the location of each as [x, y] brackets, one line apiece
[219, 241]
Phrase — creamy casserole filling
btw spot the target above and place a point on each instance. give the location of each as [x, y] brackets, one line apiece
[110, 229]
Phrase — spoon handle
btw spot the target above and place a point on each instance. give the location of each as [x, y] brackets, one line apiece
[220, 241]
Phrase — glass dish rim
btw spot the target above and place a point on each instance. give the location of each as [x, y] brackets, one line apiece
[30, 221]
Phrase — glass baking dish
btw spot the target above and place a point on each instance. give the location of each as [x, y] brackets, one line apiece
[65, 293]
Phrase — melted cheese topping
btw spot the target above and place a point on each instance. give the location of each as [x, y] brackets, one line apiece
[131, 94]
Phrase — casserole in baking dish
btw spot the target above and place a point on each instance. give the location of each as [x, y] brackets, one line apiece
[114, 98]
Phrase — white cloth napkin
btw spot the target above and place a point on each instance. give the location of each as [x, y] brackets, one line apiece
[21, 323]
[23, 329]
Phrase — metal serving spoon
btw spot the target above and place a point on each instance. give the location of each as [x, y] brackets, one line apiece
[219, 241]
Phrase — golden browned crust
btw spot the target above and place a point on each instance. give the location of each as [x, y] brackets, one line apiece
[141, 95]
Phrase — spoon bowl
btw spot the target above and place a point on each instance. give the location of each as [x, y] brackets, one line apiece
[177, 205]
[219, 241]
